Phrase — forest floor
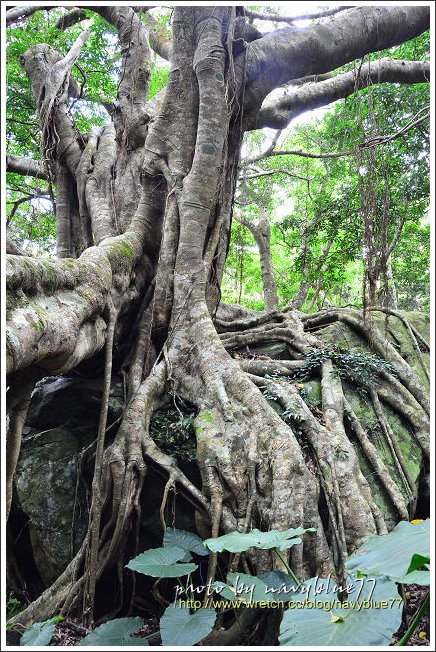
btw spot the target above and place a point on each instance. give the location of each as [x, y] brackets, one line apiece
[414, 596]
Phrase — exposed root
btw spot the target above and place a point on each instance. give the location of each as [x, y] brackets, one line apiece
[397, 455]
[382, 347]
[257, 470]
[96, 501]
[377, 464]
[17, 419]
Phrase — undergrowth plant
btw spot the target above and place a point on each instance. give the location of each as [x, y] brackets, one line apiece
[365, 610]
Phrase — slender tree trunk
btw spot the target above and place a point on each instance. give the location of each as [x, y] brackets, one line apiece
[261, 232]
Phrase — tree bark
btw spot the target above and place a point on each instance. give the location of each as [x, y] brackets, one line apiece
[261, 232]
[151, 198]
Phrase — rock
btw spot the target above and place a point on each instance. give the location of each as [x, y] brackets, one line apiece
[81, 395]
[275, 350]
[51, 484]
[46, 481]
[62, 422]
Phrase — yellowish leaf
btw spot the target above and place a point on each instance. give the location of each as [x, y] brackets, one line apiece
[336, 619]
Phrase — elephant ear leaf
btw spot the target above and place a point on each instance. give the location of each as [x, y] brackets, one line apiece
[163, 562]
[405, 549]
[359, 621]
[186, 540]
[116, 632]
[240, 541]
[39, 633]
[179, 627]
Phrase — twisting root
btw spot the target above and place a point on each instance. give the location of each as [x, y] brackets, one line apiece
[395, 449]
[17, 420]
[216, 509]
[376, 462]
[170, 486]
[97, 498]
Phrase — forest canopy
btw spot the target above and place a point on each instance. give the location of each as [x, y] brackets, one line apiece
[218, 248]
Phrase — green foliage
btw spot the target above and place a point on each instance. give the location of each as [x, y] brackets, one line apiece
[245, 588]
[347, 625]
[396, 555]
[173, 430]
[40, 633]
[180, 627]
[159, 79]
[185, 540]
[13, 607]
[362, 369]
[372, 617]
[316, 220]
[116, 632]
[240, 542]
[163, 562]
[368, 613]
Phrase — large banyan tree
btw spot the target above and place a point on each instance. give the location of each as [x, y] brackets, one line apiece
[143, 221]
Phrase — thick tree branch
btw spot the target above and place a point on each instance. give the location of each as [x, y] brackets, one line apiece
[288, 53]
[25, 166]
[277, 18]
[158, 38]
[278, 113]
[49, 75]
[71, 18]
[65, 300]
[17, 13]
[130, 116]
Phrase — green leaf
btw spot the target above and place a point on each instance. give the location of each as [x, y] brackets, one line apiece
[281, 582]
[39, 633]
[272, 587]
[240, 542]
[162, 562]
[249, 588]
[417, 562]
[185, 540]
[415, 577]
[369, 616]
[116, 632]
[179, 627]
[392, 554]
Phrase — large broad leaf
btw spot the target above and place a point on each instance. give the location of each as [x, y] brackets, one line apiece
[116, 632]
[162, 562]
[244, 589]
[185, 540]
[39, 633]
[370, 616]
[415, 577]
[392, 554]
[240, 542]
[280, 585]
[179, 627]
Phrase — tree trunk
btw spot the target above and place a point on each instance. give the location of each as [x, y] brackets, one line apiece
[261, 232]
[151, 203]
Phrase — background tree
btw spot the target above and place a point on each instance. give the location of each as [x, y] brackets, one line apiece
[143, 187]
